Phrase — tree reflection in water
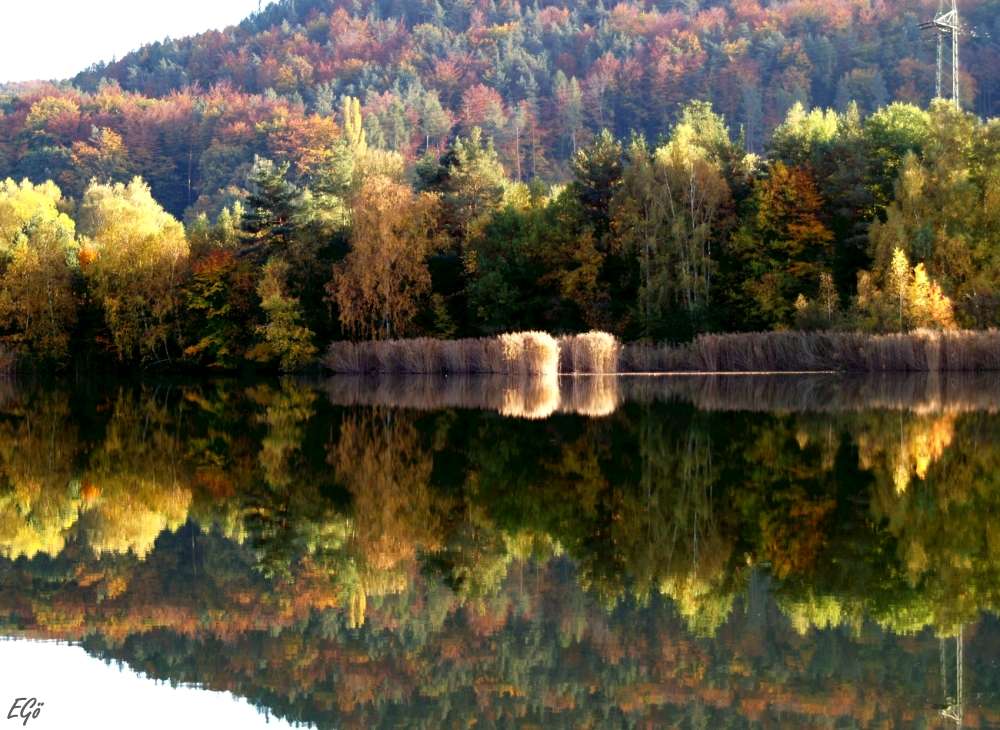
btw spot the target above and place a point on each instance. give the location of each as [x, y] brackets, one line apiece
[587, 552]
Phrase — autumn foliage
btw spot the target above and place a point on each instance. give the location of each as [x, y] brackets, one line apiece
[324, 173]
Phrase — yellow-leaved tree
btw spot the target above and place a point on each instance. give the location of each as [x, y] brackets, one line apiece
[929, 307]
[38, 306]
[909, 298]
[134, 261]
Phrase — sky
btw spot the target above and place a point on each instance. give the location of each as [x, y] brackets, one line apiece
[78, 690]
[54, 39]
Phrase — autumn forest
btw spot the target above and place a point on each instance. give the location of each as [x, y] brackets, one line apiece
[327, 171]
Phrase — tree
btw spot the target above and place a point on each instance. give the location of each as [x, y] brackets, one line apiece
[696, 195]
[220, 307]
[270, 208]
[435, 121]
[135, 263]
[103, 157]
[782, 249]
[899, 281]
[909, 298]
[21, 204]
[483, 108]
[354, 129]
[942, 213]
[285, 338]
[569, 109]
[38, 306]
[821, 313]
[379, 286]
[325, 202]
[206, 237]
[864, 86]
[929, 307]
[473, 182]
[537, 266]
[670, 209]
[597, 174]
[803, 136]
[636, 220]
[889, 135]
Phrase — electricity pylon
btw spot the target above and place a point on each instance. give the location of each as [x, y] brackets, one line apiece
[954, 705]
[946, 23]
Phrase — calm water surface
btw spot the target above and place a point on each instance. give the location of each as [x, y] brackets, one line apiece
[743, 551]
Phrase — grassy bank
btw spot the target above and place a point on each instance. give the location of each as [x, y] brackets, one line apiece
[537, 353]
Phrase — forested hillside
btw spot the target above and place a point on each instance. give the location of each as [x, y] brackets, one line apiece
[540, 79]
[455, 169]
[557, 71]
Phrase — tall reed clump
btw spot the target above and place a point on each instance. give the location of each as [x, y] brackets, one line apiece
[590, 352]
[529, 353]
[519, 353]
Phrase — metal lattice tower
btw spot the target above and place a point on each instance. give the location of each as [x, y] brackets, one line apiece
[946, 23]
[954, 705]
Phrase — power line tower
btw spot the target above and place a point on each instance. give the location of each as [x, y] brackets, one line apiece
[954, 705]
[945, 23]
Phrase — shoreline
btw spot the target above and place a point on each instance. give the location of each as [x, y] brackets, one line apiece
[600, 353]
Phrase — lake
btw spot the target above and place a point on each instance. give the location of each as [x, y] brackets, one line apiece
[583, 552]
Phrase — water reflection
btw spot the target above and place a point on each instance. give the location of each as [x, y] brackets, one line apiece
[601, 395]
[635, 552]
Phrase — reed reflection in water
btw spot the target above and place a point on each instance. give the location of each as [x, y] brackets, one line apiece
[532, 397]
[601, 395]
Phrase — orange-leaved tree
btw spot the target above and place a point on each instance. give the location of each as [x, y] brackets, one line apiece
[381, 283]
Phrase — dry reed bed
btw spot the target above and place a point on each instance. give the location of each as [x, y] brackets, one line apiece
[922, 350]
[519, 353]
[537, 353]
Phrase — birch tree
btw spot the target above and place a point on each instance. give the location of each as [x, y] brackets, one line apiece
[382, 281]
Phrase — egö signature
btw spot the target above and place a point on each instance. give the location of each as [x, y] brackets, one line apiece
[25, 708]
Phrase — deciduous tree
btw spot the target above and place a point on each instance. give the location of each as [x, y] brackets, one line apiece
[379, 286]
[38, 306]
[136, 260]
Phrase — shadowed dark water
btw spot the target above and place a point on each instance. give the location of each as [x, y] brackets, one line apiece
[781, 551]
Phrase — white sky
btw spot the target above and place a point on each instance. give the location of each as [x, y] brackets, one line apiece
[79, 691]
[54, 39]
